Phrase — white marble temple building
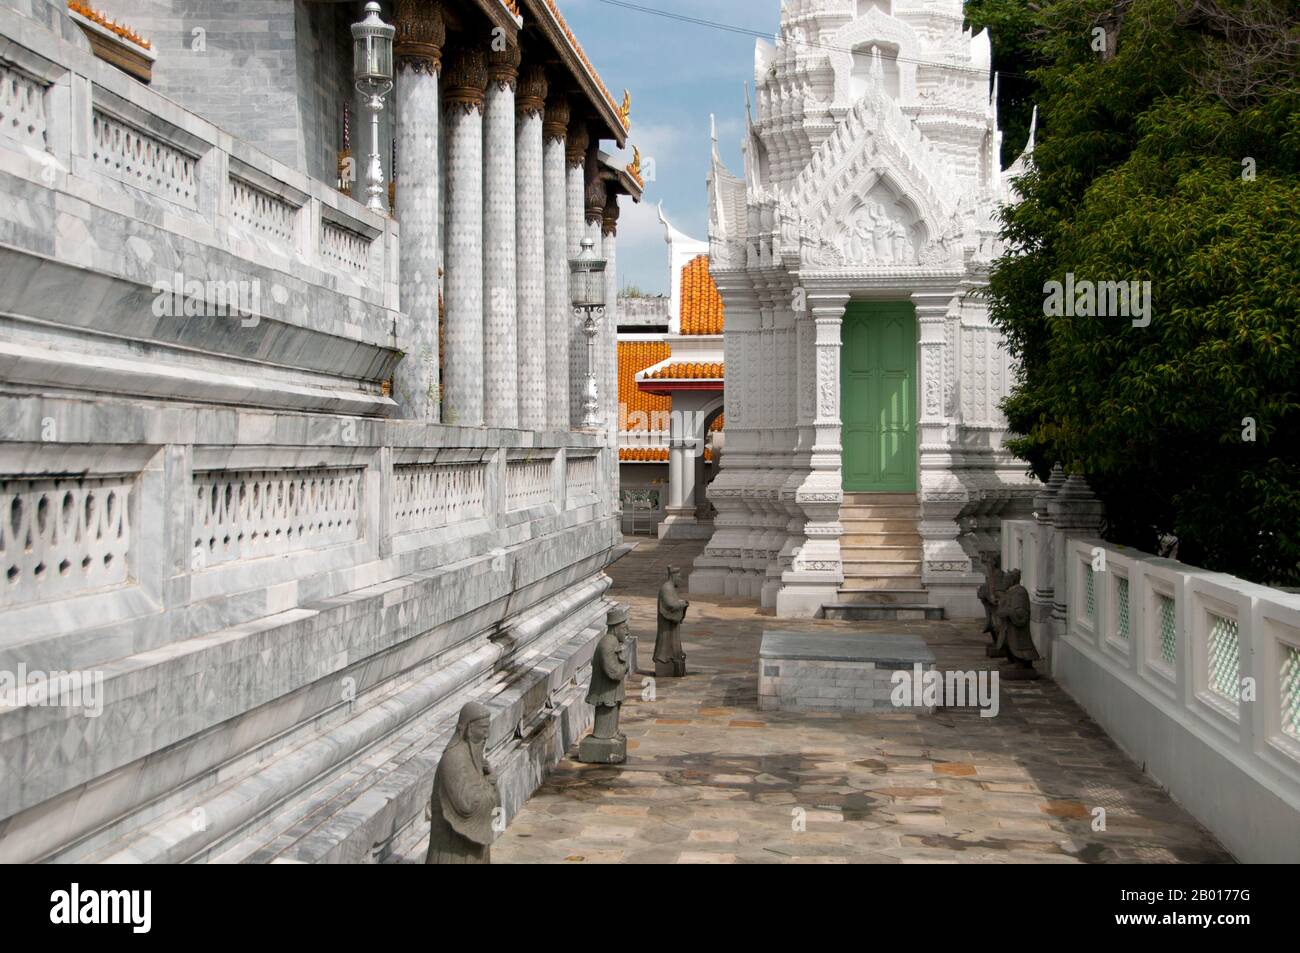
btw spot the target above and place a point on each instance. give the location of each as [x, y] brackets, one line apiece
[865, 464]
[285, 481]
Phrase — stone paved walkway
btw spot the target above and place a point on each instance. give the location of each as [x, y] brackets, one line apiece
[710, 779]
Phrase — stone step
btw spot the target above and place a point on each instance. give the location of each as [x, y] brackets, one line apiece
[874, 583]
[853, 553]
[885, 612]
[879, 597]
[878, 526]
[869, 568]
[864, 498]
[857, 540]
[881, 511]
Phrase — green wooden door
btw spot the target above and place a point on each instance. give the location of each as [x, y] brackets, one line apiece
[878, 397]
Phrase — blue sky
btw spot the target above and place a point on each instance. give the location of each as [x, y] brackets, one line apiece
[678, 73]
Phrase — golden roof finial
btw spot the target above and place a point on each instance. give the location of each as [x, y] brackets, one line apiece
[634, 167]
[625, 111]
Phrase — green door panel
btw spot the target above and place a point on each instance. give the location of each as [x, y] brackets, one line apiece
[878, 397]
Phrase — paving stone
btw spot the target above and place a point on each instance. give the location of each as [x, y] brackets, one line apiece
[715, 781]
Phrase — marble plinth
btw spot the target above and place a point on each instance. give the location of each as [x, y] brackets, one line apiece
[593, 750]
[841, 672]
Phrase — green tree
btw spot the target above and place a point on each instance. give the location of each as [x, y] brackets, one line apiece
[1170, 154]
[1012, 25]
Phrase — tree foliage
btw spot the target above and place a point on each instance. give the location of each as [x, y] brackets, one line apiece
[1011, 24]
[1172, 156]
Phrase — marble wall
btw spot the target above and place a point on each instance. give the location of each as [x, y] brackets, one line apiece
[274, 596]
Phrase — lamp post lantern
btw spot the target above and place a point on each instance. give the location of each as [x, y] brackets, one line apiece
[587, 289]
[372, 71]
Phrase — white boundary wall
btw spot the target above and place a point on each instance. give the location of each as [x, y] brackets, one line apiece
[1165, 658]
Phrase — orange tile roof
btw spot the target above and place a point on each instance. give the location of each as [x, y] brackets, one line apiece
[591, 70]
[633, 357]
[643, 454]
[511, 5]
[96, 16]
[701, 303]
[716, 426]
[689, 370]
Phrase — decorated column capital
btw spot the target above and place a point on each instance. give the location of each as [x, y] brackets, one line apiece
[420, 36]
[933, 305]
[827, 306]
[609, 220]
[465, 80]
[530, 97]
[597, 200]
[575, 149]
[503, 66]
[555, 124]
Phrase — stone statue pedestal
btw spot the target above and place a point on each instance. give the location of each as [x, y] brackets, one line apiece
[593, 750]
[670, 669]
[1018, 673]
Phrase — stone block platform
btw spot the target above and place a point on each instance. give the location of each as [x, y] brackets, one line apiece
[839, 672]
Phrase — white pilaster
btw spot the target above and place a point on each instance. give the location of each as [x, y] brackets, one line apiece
[719, 569]
[817, 572]
[947, 569]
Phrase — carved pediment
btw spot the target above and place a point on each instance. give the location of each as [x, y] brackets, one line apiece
[875, 229]
[874, 235]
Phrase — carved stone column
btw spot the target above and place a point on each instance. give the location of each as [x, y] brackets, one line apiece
[718, 570]
[1044, 594]
[530, 278]
[465, 81]
[558, 306]
[785, 437]
[769, 516]
[947, 571]
[577, 145]
[803, 374]
[418, 49]
[817, 572]
[1075, 511]
[607, 343]
[501, 384]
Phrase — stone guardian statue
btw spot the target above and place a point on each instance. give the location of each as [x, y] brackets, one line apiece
[609, 668]
[670, 660]
[989, 592]
[1016, 639]
[464, 807]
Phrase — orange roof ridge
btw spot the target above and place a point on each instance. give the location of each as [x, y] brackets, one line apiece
[591, 70]
[689, 370]
[101, 18]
